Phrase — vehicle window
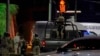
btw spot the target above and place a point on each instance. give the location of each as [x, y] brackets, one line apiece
[39, 29]
[67, 35]
[92, 33]
[52, 34]
[87, 44]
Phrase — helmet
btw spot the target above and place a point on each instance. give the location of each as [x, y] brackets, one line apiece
[61, 19]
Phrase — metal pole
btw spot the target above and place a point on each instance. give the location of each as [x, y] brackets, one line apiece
[75, 17]
[7, 15]
[50, 7]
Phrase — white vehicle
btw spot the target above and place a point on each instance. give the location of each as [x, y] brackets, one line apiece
[47, 32]
[92, 28]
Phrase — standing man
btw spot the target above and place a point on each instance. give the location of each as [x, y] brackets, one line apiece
[22, 46]
[16, 43]
[36, 45]
[60, 26]
[7, 44]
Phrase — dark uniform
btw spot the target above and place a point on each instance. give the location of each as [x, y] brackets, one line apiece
[23, 48]
[7, 44]
[60, 26]
[36, 45]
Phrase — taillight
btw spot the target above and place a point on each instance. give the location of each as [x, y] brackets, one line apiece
[75, 45]
[43, 43]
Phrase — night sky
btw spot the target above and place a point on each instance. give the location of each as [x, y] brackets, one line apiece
[39, 9]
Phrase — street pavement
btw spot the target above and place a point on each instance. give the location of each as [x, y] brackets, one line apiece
[47, 53]
[41, 54]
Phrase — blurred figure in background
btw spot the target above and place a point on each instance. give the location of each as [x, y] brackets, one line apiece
[7, 44]
[22, 47]
[36, 45]
[16, 43]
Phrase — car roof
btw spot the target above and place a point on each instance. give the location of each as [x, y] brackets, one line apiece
[81, 38]
[87, 37]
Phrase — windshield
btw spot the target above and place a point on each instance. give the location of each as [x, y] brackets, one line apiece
[84, 44]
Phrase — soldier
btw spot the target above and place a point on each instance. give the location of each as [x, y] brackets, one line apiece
[16, 43]
[36, 45]
[22, 47]
[60, 26]
[7, 44]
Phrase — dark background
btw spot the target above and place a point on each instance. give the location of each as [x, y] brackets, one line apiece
[38, 9]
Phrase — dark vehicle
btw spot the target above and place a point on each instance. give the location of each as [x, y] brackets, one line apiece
[47, 32]
[88, 46]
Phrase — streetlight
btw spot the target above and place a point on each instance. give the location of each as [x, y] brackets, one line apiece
[50, 7]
